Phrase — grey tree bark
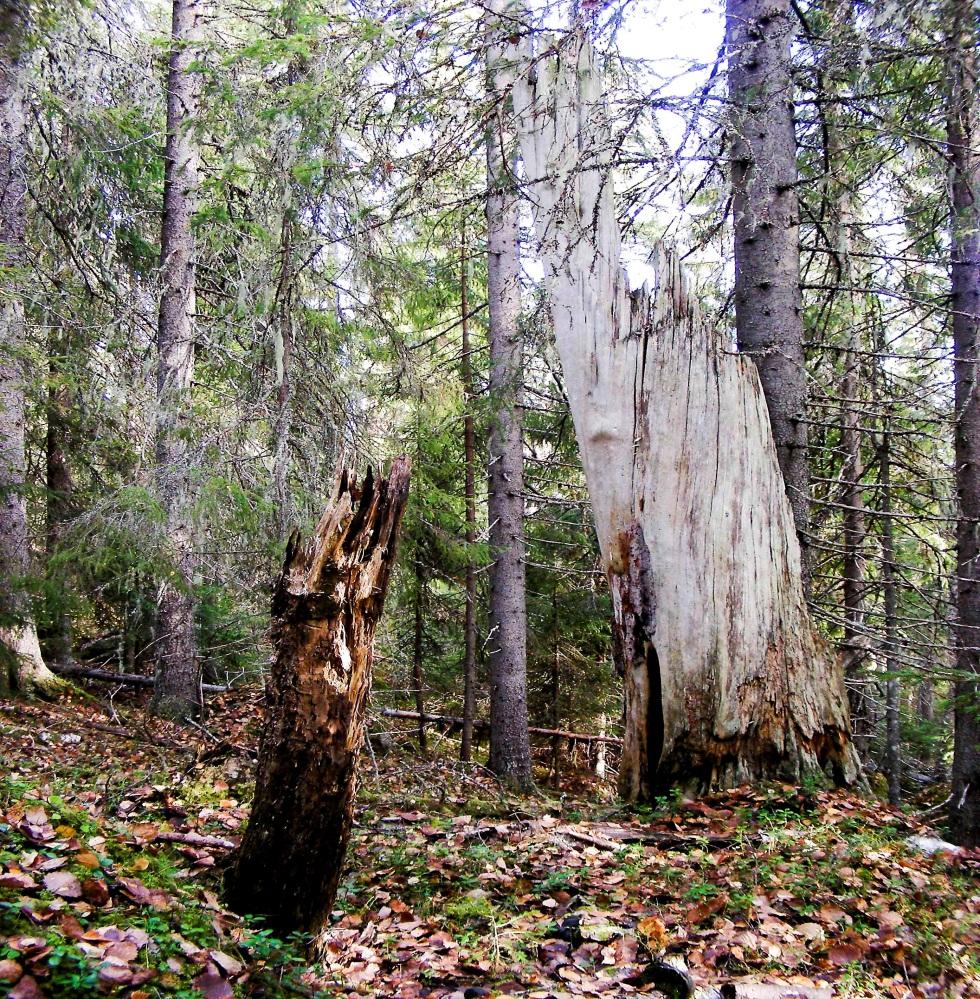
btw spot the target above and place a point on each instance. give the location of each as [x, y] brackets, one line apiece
[469, 489]
[854, 645]
[510, 751]
[178, 676]
[768, 301]
[963, 137]
[22, 668]
[60, 485]
[726, 680]
[893, 690]
[284, 333]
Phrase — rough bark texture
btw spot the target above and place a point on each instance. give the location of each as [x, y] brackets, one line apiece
[963, 136]
[854, 646]
[283, 321]
[893, 752]
[725, 678]
[178, 693]
[418, 682]
[469, 458]
[60, 487]
[21, 667]
[768, 302]
[325, 607]
[510, 751]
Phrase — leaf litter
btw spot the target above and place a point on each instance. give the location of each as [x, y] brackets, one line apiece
[112, 846]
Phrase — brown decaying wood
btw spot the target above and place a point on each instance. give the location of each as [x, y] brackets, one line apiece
[325, 606]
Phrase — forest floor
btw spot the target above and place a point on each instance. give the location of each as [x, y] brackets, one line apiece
[453, 888]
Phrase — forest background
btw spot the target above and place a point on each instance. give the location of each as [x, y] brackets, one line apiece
[341, 315]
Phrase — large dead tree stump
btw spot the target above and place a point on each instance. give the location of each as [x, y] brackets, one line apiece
[325, 607]
[726, 680]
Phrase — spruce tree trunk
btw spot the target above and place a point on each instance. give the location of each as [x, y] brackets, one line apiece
[325, 607]
[510, 751]
[60, 487]
[725, 678]
[854, 646]
[418, 635]
[893, 749]
[283, 328]
[963, 136]
[469, 488]
[22, 668]
[768, 301]
[554, 716]
[178, 674]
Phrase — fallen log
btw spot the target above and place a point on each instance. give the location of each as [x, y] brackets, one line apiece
[195, 839]
[128, 679]
[457, 722]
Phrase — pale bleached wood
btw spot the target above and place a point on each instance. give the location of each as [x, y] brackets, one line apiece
[726, 679]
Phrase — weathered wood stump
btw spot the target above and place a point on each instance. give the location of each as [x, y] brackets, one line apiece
[726, 680]
[325, 606]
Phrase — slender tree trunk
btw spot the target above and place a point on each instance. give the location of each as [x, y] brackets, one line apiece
[963, 137]
[325, 607]
[469, 488]
[417, 679]
[839, 72]
[21, 667]
[510, 751]
[178, 674]
[725, 678]
[59, 487]
[284, 393]
[600, 753]
[768, 301]
[854, 647]
[893, 692]
[555, 713]
[283, 331]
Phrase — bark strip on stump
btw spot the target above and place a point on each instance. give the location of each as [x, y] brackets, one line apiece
[726, 680]
[325, 607]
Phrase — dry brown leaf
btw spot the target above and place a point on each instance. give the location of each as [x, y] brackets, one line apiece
[212, 986]
[10, 971]
[63, 884]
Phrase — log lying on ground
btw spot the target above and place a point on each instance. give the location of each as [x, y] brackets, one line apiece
[454, 721]
[325, 606]
[726, 680]
[127, 679]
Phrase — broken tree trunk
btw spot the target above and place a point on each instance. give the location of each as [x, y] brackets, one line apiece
[725, 678]
[325, 607]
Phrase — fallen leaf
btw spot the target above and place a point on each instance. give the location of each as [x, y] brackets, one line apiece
[212, 986]
[26, 988]
[63, 884]
[226, 962]
[653, 933]
[845, 953]
[18, 880]
[10, 971]
[95, 891]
